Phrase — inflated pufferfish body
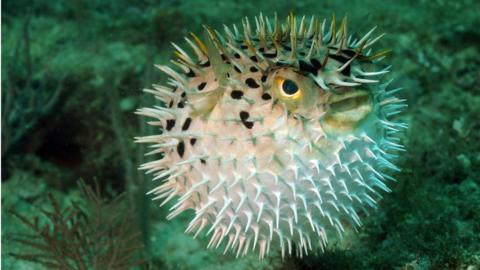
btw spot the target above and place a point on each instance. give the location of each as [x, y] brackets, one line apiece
[274, 135]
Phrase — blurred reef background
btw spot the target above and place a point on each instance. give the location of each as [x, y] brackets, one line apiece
[72, 74]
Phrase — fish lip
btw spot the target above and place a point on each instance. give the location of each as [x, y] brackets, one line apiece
[347, 95]
[350, 114]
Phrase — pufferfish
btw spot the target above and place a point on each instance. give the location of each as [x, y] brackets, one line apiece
[279, 135]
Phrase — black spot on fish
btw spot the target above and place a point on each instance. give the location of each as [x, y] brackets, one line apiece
[253, 69]
[193, 141]
[236, 94]
[264, 78]
[248, 124]
[206, 64]
[266, 96]
[302, 53]
[237, 69]
[190, 73]
[223, 57]
[244, 47]
[170, 104]
[244, 115]
[287, 48]
[236, 55]
[304, 67]
[181, 104]
[315, 63]
[270, 55]
[251, 83]
[254, 58]
[201, 86]
[187, 123]
[181, 149]
[342, 59]
[346, 70]
[170, 124]
[339, 58]
[261, 50]
[349, 53]
[183, 94]
[203, 161]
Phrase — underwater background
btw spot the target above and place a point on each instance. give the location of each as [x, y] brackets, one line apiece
[72, 75]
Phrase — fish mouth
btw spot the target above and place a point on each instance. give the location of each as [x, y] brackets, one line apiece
[345, 111]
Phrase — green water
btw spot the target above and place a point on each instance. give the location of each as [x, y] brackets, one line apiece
[72, 74]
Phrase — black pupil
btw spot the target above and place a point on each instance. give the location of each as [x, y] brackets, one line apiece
[289, 87]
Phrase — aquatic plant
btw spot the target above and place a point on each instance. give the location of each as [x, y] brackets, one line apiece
[97, 235]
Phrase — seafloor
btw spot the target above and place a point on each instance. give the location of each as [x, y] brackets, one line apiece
[72, 72]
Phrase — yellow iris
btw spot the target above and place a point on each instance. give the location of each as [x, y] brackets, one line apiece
[287, 89]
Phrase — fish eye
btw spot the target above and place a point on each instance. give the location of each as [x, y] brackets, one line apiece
[289, 87]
